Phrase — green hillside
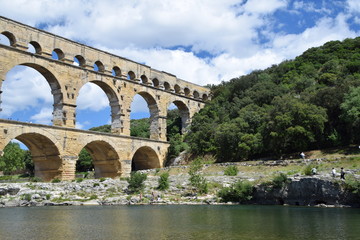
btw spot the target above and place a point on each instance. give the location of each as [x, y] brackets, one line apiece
[311, 102]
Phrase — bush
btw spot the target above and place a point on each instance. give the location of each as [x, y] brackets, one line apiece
[79, 180]
[196, 179]
[237, 192]
[56, 180]
[102, 179]
[308, 170]
[136, 182]
[231, 170]
[96, 184]
[280, 180]
[164, 181]
[26, 196]
[35, 179]
[352, 184]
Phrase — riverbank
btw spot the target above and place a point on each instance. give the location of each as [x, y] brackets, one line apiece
[299, 189]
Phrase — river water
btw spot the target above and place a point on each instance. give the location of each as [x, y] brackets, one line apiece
[179, 222]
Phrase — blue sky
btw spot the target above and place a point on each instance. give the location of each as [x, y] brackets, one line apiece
[201, 41]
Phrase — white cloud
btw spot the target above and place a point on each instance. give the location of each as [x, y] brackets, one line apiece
[172, 35]
[43, 117]
[92, 97]
[354, 5]
[24, 88]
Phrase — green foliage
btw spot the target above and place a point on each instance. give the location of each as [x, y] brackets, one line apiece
[35, 179]
[13, 158]
[308, 169]
[352, 184]
[164, 181]
[26, 196]
[79, 180]
[280, 180]
[102, 179]
[56, 180]
[140, 127]
[237, 192]
[104, 128]
[84, 163]
[196, 179]
[136, 182]
[309, 102]
[231, 170]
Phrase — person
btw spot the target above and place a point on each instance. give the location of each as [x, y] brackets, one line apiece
[342, 173]
[302, 155]
[333, 171]
[313, 171]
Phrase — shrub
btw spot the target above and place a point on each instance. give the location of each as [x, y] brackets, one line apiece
[26, 196]
[102, 179]
[136, 181]
[164, 181]
[237, 192]
[56, 180]
[35, 179]
[231, 170]
[352, 184]
[308, 170]
[96, 184]
[48, 196]
[280, 180]
[94, 196]
[196, 179]
[79, 180]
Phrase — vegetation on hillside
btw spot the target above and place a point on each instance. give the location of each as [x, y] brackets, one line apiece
[311, 102]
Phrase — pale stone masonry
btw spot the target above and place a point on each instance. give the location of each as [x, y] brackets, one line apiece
[120, 78]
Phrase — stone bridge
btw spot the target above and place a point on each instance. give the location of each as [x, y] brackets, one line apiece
[67, 66]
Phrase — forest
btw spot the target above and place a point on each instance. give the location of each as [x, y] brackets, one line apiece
[310, 102]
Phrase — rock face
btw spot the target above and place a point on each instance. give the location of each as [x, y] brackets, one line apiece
[306, 191]
[302, 191]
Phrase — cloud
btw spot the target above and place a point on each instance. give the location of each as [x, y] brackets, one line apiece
[43, 117]
[353, 6]
[24, 88]
[92, 97]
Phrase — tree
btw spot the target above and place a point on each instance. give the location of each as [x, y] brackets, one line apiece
[13, 158]
[84, 163]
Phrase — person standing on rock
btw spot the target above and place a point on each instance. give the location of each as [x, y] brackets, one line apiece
[342, 173]
[333, 172]
[302, 155]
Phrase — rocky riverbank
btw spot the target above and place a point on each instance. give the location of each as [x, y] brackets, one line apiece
[318, 190]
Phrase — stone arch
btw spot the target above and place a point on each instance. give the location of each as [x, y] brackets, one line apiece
[45, 155]
[204, 97]
[154, 114]
[58, 54]
[145, 158]
[177, 89]
[131, 75]
[144, 79]
[116, 124]
[10, 37]
[167, 86]
[196, 94]
[58, 118]
[187, 92]
[116, 72]
[105, 159]
[99, 66]
[79, 60]
[36, 47]
[184, 114]
[156, 82]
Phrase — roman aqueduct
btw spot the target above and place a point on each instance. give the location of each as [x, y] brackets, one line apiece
[55, 148]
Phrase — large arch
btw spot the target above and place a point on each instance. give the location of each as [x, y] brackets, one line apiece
[145, 158]
[105, 159]
[154, 114]
[184, 114]
[58, 118]
[116, 123]
[45, 155]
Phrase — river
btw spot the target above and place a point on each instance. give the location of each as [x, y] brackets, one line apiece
[179, 222]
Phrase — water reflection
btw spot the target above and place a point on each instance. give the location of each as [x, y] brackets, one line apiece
[178, 222]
